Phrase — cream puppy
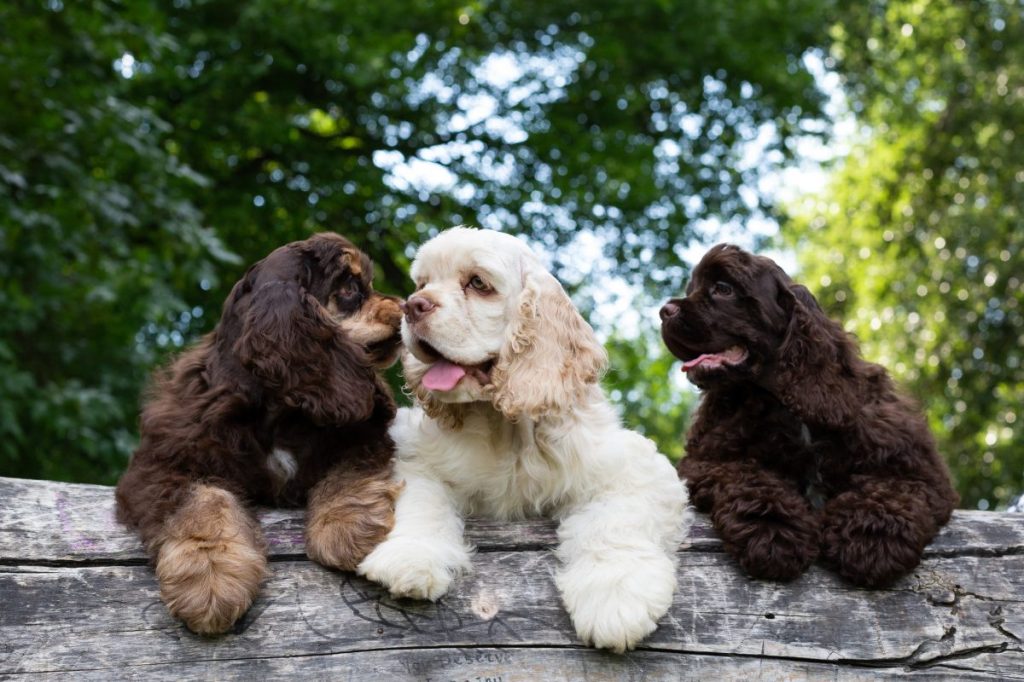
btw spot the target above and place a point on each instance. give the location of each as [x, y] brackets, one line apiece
[512, 423]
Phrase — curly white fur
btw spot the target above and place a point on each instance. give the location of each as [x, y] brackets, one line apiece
[538, 439]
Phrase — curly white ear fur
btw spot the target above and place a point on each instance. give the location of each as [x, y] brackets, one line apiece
[550, 354]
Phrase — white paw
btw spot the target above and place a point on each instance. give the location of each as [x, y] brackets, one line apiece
[409, 568]
[615, 603]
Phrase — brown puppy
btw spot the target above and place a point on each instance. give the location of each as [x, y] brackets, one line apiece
[799, 444]
[279, 404]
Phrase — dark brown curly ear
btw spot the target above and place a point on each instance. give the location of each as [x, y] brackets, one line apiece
[815, 375]
[290, 344]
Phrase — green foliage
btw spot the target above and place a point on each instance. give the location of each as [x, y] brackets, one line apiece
[917, 241]
[99, 239]
[644, 378]
[297, 115]
[152, 150]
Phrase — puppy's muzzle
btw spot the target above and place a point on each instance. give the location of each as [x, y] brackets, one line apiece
[417, 308]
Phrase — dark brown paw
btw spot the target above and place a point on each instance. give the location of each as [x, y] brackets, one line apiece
[872, 541]
[773, 539]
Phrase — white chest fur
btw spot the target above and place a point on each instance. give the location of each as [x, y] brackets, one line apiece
[499, 469]
[282, 466]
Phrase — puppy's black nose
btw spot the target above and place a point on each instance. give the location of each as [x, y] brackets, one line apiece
[418, 307]
[668, 310]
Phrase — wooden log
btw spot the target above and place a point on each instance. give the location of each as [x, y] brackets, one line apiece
[76, 596]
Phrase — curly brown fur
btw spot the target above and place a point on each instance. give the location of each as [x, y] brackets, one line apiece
[211, 560]
[800, 447]
[351, 511]
[283, 394]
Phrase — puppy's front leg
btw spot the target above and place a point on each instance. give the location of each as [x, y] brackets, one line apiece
[350, 512]
[615, 583]
[618, 558]
[425, 550]
[876, 532]
[763, 520]
[210, 560]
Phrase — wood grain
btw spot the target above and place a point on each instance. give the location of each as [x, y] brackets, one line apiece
[77, 596]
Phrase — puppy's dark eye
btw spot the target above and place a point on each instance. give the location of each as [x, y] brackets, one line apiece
[721, 289]
[475, 282]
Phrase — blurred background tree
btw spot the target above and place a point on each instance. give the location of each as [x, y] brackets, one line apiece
[918, 239]
[102, 244]
[149, 153]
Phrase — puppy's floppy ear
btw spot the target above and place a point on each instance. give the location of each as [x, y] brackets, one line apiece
[550, 354]
[290, 344]
[815, 376]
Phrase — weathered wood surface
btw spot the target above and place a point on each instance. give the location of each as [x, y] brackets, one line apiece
[76, 596]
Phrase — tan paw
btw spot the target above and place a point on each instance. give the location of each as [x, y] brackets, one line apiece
[344, 526]
[211, 562]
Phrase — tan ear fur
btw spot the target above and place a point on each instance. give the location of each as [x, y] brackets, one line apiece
[550, 355]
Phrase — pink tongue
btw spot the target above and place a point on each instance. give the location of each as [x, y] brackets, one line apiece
[442, 376]
[690, 364]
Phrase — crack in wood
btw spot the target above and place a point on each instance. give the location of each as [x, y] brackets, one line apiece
[997, 620]
[959, 655]
[280, 557]
[907, 663]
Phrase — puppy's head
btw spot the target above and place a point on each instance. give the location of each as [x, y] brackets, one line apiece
[306, 322]
[744, 319]
[487, 323]
[734, 318]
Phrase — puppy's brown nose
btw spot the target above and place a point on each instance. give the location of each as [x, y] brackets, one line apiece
[417, 307]
[668, 310]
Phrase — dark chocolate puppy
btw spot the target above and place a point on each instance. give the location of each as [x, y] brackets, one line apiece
[799, 446]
